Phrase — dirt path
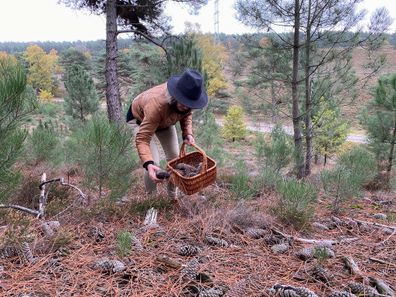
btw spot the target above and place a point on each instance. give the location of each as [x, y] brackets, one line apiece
[265, 127]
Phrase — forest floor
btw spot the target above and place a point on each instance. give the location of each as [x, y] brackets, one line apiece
[241, 260]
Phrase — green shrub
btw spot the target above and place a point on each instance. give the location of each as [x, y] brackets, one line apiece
[354, 169]
[105, 153]
[242, 186]
[43, 144]
[361, 162]
[268, 178]
[124, 243]
[296, 203]
[278, 153]
[208, 137]
[51, 110]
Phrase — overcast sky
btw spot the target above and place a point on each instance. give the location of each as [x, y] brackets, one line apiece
[46, 20]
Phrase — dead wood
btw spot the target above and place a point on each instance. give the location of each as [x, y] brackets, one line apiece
[21, 208]
[319, 242]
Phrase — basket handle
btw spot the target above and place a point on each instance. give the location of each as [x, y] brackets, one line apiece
[204, 157]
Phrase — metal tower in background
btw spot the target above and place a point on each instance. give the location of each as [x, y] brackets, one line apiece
[216, 20]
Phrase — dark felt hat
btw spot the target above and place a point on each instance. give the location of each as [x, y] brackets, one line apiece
[188, 89]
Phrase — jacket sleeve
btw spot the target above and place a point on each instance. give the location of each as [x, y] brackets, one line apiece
[143, 137]
[186, 125]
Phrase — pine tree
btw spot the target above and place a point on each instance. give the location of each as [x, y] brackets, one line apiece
[380, 123]
[330, 130]
[15, 102]
[73, 56]
[234, 125]
[82, 98]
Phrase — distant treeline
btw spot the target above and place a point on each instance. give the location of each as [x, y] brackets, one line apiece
[12, 47]
[231, 40]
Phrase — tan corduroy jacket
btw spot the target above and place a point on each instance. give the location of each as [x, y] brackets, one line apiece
[153, 110]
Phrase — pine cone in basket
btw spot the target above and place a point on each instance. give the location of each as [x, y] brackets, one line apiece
[188, 170]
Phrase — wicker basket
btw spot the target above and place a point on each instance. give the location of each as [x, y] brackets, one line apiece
[191, 185]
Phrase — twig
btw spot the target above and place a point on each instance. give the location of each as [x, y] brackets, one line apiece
[385, 240]
[382, 261]
[73, 187]
[21, 208]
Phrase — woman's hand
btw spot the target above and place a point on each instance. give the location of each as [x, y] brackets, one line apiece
[152, 169]
[189, 139]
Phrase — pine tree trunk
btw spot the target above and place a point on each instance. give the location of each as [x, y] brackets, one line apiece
[295, 109]
[274, 107]
[112, 90]
[392, 149]
[308, 103]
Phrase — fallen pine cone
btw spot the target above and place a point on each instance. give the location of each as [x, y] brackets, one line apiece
[341, 294]
[290, 291]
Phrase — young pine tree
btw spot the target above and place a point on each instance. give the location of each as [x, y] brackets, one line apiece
[234, 125]
[381, 123]
[15, 101]
[82, 98]
[330, 130]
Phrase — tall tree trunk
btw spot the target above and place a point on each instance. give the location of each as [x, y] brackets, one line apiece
[112, 90]
[308, 103]
[274, 106]
[392, 149]
[299, 155]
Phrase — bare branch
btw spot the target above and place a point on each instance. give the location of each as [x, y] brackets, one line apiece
[21, 208]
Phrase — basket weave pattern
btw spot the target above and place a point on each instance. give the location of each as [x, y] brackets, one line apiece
[191, 185]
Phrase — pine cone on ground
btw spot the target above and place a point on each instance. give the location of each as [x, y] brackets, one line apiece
[189, 250]
[290, 291]
[109, 266]
[216, 241]
[305, 253]
[256, 233]
[280, 248]
[341, 294]
[362, 290]
[9, 252]
[212, 292]
[320, 274]
[274, 239]
[96, 233]
[191, 269]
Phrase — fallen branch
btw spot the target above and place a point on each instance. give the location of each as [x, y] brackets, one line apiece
[73, 187]
[374, 224]
[323, 242]
[21, 208]
[382, 261]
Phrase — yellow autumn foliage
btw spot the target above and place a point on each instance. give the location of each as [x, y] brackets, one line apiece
[214, 58]
[42, 68]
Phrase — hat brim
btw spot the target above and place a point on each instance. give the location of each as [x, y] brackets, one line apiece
[201, 102]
